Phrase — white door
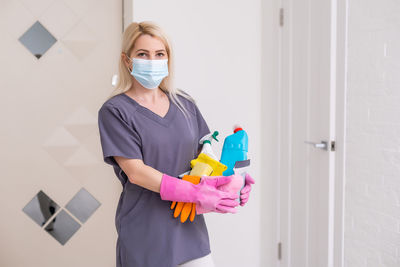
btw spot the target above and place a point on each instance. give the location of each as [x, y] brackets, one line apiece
[57, 198]
[308, 132]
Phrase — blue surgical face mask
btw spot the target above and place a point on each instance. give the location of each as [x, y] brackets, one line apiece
[149, 73]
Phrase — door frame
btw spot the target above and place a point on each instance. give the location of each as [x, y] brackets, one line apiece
[272, 124]
[341, 16]
[127, 13]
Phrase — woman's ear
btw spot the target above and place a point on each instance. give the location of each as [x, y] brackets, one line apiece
[126, 60]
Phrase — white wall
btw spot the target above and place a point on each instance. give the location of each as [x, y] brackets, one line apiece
[217, 60]
[372, 216]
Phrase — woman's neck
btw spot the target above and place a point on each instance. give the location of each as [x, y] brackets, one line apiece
[145, 95]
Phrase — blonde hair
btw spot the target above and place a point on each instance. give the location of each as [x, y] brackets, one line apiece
[129, 37]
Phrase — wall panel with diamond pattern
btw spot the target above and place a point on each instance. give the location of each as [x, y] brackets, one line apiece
[59, 198]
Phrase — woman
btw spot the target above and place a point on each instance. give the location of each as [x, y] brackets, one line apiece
[149, 132]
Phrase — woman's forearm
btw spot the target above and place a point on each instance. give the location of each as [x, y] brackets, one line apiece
[140, 173]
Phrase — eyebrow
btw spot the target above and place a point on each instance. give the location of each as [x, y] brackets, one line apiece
[148, 50]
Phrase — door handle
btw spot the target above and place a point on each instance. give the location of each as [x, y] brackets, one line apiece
[322, 145]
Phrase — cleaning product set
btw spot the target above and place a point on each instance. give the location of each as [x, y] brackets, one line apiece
[233, 161]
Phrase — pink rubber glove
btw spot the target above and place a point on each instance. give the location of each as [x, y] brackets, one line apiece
[233, 187]
[245, 192]
[206, 193]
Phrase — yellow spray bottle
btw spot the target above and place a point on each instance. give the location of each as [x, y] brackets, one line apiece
[207, 162]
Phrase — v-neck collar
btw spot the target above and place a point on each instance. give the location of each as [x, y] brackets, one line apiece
[166, 120]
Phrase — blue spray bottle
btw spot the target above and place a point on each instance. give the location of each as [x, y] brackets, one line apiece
[235, 148]
[234, 156]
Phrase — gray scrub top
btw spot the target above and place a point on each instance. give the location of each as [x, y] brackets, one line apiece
[148, 234]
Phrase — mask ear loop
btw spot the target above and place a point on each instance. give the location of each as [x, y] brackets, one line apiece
[130, 71]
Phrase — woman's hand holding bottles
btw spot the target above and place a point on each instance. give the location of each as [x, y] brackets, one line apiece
[205, 194]
[245, 192]
[235, 187]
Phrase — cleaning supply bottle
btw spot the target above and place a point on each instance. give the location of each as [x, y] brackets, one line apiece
[207, 162]
[235, 148]
[206, 142]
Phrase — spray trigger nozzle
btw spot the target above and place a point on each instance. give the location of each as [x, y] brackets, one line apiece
[208, 137]
[214, 135]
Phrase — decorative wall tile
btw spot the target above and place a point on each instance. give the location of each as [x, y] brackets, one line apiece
[63, 227]
[59, 18]
[41, 208]
[80, 40]
[36, 7]
[82, 205]
[37, 39]
[15, 25]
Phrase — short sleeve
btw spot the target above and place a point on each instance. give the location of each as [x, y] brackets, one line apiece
[202, 125]
[117, 137]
